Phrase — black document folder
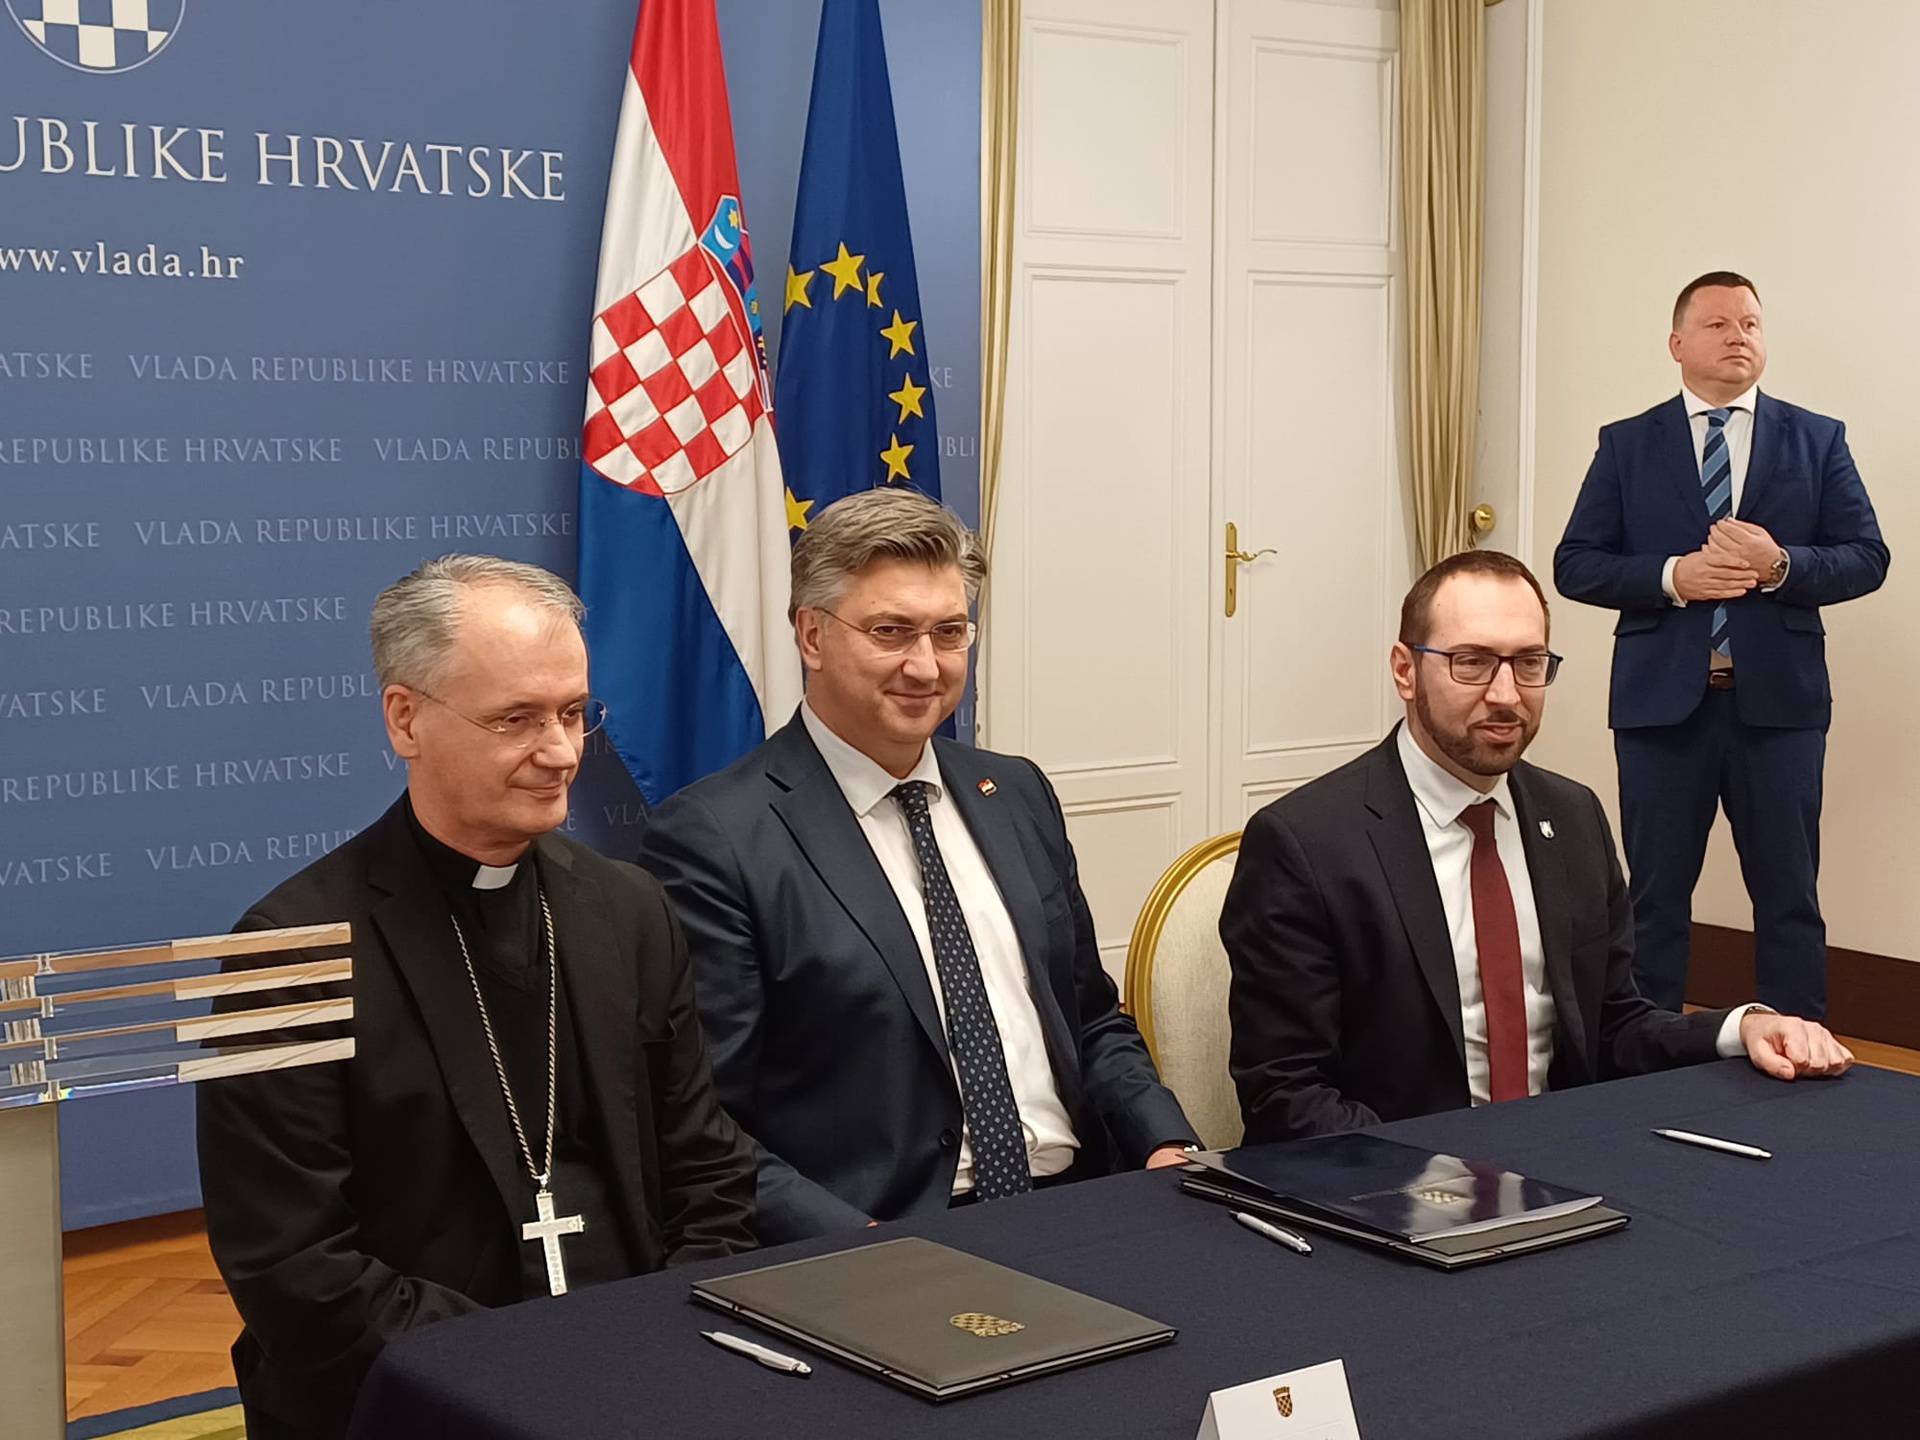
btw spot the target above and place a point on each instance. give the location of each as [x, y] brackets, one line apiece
[939, 1322]
[1436, 1208]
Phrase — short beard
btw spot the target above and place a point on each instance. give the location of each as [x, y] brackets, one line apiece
[1465, 750]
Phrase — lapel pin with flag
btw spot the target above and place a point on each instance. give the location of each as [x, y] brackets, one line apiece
[987, 787]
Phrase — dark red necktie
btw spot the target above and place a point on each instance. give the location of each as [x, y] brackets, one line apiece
[1497, 936]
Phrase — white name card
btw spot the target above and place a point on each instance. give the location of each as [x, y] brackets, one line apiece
[1310, 1404]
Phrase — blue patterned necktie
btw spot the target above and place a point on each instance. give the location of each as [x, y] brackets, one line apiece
[1716, 480]
[986, 1094]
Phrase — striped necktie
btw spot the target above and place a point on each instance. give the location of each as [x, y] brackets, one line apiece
[1716, 480]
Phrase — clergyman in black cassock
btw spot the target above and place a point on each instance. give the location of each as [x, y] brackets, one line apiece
[350, 1203]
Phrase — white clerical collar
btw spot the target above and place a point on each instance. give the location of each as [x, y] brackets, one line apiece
[1696, 406]
[861, 778]
[495, 877]
[1441, 795]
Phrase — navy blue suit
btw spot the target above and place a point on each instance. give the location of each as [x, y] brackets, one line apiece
[827, 1045]
[1758, 748]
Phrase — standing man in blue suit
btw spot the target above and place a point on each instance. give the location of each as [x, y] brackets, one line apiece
[892, 958]
[1717, 524]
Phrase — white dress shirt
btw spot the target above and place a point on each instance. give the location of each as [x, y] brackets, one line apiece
[1441, 798]
[1739, 432]
[869, 791]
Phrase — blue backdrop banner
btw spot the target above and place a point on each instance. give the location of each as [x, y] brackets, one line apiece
[291, 298]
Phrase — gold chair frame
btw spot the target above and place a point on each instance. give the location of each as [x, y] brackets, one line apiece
[1137, 990]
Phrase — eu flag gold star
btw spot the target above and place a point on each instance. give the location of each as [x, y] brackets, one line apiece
[797, 289]
[797, 511]
[896, 457]
[900, 334]
[907, 397]
[845, 270]
[874, 277]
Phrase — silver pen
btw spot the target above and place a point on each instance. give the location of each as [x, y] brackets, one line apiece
[772, 1359]
[1273, 1232]
[1707, 1142]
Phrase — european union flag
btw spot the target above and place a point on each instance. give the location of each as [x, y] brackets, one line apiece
[853, 398]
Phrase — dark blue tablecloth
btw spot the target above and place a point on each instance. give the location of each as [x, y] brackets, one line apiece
[1754, 1298]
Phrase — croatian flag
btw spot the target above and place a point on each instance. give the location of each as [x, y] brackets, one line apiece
[683, 521]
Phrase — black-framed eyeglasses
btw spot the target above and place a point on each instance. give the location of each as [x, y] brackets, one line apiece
[1532, 669]
[897, 639]
[525, 729]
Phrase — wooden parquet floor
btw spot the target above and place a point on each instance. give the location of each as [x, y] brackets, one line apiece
[147, 1315]
[148, 1318]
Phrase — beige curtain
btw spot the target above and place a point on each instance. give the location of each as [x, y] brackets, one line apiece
[999, 128]
[999, 118]
[1442, 115]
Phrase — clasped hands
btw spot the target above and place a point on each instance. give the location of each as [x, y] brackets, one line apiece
[1738, 556]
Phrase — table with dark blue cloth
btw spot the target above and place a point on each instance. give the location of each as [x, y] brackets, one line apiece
[1747, 1297]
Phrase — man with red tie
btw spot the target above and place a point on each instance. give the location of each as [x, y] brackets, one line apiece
[1438, 923]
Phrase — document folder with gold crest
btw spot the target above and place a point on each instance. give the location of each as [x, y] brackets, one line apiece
[939, 1322]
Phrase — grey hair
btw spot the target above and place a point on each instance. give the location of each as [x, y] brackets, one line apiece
[869, 526]
[416, 618]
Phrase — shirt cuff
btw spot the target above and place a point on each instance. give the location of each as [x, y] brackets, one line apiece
[1728, 1046]
[1666, 581]
[1785, 571]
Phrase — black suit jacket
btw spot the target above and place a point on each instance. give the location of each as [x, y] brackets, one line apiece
[1344, 999]
[349, 1203]
[826, 1042]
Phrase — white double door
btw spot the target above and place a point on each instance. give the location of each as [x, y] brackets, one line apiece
[1206, 329]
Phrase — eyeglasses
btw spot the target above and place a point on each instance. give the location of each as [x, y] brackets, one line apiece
[525, 729]
[1532, 669]
[894, 639]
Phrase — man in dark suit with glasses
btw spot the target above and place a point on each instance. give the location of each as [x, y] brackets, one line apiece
[1438, 923]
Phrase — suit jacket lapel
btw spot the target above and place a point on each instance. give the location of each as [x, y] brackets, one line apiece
[417, 928]
[809, 803]
[1401, 845]
[1767, 426]
[991, 821]
[991, 824]
[601, 991]
[1547, 870]
[1676, 440]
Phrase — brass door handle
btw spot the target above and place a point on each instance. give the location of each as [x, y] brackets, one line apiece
[1236, 557]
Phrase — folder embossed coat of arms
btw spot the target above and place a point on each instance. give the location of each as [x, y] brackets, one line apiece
[936, 1321]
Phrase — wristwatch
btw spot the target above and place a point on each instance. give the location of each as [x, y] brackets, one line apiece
[1779, 571]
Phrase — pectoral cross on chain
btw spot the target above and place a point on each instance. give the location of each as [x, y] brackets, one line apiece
[547, 1230]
